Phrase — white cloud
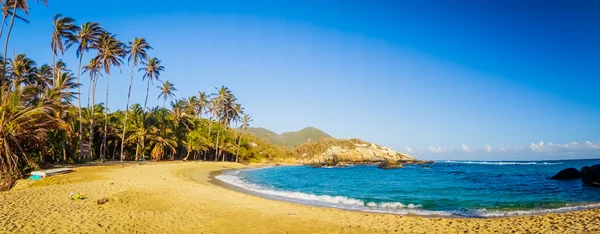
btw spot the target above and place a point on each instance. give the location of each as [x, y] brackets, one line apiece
[591, 145]
[408, 149]
[488, 148]
[438, 149]
[503, 148]
[537, 147]
[465, 148]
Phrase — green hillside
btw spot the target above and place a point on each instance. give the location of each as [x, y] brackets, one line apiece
[289, 139]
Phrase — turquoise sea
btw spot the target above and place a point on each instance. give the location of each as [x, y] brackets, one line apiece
[447, 188]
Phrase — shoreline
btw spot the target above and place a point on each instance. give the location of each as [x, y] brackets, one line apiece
[520, 213]
[162, 198]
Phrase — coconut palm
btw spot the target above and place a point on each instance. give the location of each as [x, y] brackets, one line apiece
[189, 106]
[151, 72]
[14, 4]
[224, 97]
[20, 68]
[137, 50]
[22, 127]
[245, 123]
[202, 104]
[85, 36]
[110, 53]
[166, 91]
[64, 30]
[6, 12]
[93, 68]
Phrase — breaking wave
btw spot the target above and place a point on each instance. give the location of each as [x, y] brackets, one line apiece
[503, 163]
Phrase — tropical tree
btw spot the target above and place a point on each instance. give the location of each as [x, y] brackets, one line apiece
[110, 53]
[245, 123]
[93, 68]
[64, 30]
[151, 72]
[23, 128]
[203, 101]
[166, 91]
[85, 37]
[15, 4]
[137, 50]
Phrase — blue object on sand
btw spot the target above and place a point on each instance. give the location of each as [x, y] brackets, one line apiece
[35, 177]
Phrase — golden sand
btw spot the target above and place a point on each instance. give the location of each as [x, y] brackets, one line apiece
[178, 197]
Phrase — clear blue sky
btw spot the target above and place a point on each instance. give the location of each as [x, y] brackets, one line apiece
[440, 77]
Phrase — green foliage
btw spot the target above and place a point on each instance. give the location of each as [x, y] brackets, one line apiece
[289, 139]
[314, 148]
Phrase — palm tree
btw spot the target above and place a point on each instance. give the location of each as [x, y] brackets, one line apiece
[151, 72]
[64, 29]
[6, 11]
[245, 123]
[202, 103]
[214, 110]
[85, 37]
[166, 91]
[20, 68]
[189, 106]
[110, 53]
[23, 126]
[225, 98]
[137, 50]
[20, 4]
[93, 68]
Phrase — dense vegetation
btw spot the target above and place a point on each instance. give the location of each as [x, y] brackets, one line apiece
[317, 147]
[43, 120]
[289, 139]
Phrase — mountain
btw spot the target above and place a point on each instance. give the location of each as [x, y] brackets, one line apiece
[289, 139]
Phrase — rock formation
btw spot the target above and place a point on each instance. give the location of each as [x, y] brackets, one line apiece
[591, 175]
[390, 164]
[567, 174]
[360, 154]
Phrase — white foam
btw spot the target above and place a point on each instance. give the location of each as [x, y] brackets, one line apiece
[503, 163]
[326, 200]
[499, 213]
[232, 177]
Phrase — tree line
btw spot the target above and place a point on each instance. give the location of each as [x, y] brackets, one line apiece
[43, 121]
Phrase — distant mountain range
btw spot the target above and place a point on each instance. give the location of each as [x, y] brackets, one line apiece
[289, 139]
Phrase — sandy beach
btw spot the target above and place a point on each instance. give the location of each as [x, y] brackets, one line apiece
[179, 197]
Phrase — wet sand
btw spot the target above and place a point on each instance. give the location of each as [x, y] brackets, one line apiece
[179, 197]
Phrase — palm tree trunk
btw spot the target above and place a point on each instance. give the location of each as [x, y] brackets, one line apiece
[217, 146]
[64, 151]
[226, 127]
[2, 27]
[127, 110]
[53, 68]
[105, 120]
[188, 155]
[164, 103]
[93, 110]
[235, 138]
[79, 104]
[12, 21]
[147, 91]
[208, 137]
[238, 149]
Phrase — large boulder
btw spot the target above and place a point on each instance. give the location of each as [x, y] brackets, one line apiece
[591, 175]
[567, 174]
[390, 164]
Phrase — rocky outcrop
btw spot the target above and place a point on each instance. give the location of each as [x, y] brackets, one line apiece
[567, 174]
[591, 175]
[390, 164]
[360, 154]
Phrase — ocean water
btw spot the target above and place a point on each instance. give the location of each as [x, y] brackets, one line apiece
[447, 188]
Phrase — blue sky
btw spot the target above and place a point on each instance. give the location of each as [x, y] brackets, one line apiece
[441, 78]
